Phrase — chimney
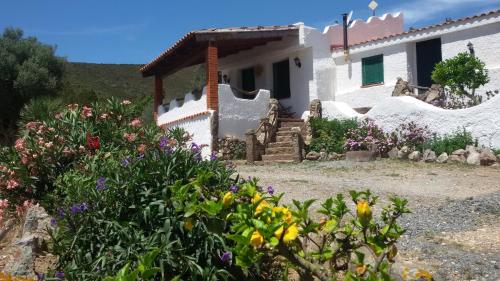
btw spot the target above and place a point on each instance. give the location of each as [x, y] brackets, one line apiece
[346, 43]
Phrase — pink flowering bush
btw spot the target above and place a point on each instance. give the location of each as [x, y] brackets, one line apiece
[368, 136]
[48, 148]
[411, 135]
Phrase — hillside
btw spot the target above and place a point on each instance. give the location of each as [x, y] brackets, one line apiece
[125, 80]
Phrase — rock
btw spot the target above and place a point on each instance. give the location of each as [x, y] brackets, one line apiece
[333, 156]
[402, 88]
[415, 156]
[434, 94]
[312, 156]
[487, 158]
[323, 155]
[457, 159]
[474, 158]
[460, 152]
[443, 158]
[429, 156]
[404, 152]
[498, 158]
[393, 154]
[470, 149]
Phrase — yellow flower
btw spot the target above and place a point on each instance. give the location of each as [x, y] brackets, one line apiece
[286, 213]
[361, 269]
[423, 274]
[291, 234]
[256, 198]
[227, 199]
[256, 240]
[364, 212]
[263, 204]
[188, 224]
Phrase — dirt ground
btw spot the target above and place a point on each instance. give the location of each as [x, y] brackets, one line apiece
[454, 227]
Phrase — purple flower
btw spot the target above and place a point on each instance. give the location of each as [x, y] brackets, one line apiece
[233, 189]
[60, 275]
[84, 207]
[226, 257]
[53, 222]
[213, 157]
[163, 142]
[101, 183]
[74, 209]
[270, 190]
[141, 156]
[41, 277]
[126, 162]
[60, 212]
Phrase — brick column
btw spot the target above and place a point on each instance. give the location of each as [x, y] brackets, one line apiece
[212, 77]
[158, 97]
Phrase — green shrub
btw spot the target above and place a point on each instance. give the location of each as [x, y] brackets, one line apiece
[449, 143]
[366, 136]
[330, 135]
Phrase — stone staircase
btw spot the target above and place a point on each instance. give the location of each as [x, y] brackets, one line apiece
[282, 150]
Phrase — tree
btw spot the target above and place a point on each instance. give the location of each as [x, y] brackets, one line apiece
[461, 75]
[28, 69]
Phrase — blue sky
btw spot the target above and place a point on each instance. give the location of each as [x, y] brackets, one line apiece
[135, 31]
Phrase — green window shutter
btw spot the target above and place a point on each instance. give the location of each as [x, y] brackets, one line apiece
[373, 70]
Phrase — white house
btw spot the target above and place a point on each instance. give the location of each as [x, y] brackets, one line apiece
[296, 64]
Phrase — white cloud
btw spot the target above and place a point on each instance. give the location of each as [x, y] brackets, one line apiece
[419, 10]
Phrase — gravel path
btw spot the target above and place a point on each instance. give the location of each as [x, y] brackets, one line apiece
[454, 227]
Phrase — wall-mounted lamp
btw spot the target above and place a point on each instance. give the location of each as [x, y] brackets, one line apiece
[471, 49]
[297, 62]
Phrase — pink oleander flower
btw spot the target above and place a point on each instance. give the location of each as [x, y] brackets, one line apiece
[81, 149]
[24, 160]
[136, 122]
[11, 184]
[130, 137]
[104, 116]
[126, 102]
[31, 125]
[4, 203]
[141, 148]
[86, 112]
[20, 144]
[21, 209]
[49, 144]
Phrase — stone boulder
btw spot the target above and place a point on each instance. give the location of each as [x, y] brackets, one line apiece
[415, 156]
[470, 149]
[402, 88]
[460, 159]
[404, 152]
[474, 158]
[498, 158]
[323, 155]
[333, 156]
[443, 158]
[460, 152]
[487, 158]
[313, 156]
[434, 94]
[429, 156]
[393, 154]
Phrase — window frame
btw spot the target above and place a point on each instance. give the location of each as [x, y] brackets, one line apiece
[371, 61]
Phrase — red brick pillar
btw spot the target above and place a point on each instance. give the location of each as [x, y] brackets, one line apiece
[158, 97]
[212, 77]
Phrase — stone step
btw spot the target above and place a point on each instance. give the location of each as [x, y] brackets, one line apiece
[278, 157]
[284, 133]
[292, 124]
[285, 138]
[279, 150]
[280, 144]
[290, 120]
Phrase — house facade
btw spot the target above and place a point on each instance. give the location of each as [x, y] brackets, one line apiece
[248, 67]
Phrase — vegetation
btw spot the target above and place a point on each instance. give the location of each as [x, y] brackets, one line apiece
[411, 135]
[461, 76]
[28, 69]
[449, 143]
[330, 135]
[368, 136]
[121, 189]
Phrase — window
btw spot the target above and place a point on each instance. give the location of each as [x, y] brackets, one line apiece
[248, 79]
[373, 70]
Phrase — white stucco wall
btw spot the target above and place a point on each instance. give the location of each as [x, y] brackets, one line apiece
[338, 110]
[199, 128]
[483, 121]
[238, 115]
[400, 58]
[176, 111]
